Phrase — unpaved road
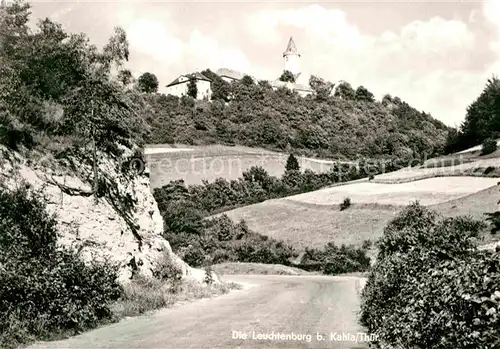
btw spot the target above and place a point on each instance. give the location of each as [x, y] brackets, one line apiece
[303, 305]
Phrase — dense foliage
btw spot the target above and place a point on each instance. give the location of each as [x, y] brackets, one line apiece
[340, 126]
[45, 289]
[482, 120]
[430, 287]
[489, 146]
[57, 90]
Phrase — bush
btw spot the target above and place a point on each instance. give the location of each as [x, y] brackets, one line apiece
[345, 204]
[333, 260]
[47, 289]
[431, 287]
[494, 219]
[367, 244]
[489, 146]
[209, 277]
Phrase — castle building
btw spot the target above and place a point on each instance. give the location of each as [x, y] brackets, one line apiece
[291, 63]
[179, 87]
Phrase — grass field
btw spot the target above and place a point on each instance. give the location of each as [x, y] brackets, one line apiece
[196, 163]
[306, 226]
[303, 223]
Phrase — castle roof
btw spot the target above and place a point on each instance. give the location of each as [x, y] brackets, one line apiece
[185, 78]
[232, 74]
[291, 49]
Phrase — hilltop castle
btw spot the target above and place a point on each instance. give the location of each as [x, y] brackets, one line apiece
[291, 60]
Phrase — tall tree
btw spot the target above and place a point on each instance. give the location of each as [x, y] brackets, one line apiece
[292, 164]
[148, 83]
[220, 89]
[192, 88]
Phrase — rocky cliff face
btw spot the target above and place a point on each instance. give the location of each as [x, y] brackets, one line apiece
[99, 230]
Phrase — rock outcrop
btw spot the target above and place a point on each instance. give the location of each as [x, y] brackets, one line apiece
[99, 230]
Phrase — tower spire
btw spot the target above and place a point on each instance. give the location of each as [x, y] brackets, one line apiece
[291, 49]
[291, 58]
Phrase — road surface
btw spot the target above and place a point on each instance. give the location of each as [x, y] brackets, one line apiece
[291, 306]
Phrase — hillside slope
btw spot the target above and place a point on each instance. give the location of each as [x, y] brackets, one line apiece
[336, 127]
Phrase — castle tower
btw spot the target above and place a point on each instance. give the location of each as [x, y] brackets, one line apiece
[292, 58]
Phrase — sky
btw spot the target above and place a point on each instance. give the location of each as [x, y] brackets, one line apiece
[435, 55]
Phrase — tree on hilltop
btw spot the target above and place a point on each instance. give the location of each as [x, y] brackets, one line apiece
[148, 83]
[247, 81]
[321, 88]
[362, 94]
[287, 76]
[345, 91]
[220, 88]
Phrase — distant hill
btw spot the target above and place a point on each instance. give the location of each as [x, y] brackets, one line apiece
[343, 126]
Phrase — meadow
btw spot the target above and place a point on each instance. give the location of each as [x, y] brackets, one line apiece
[194, 164]
[313, 218]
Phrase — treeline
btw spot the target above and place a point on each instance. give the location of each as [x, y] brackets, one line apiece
[482, 121]
[346, 125]
[201, 241]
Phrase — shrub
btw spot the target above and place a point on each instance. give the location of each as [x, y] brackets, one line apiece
[47, 289]
[367, 244]
[209, 277]
[371, 177]
[345, 204]
[488, 170]
[494, 219]
[489, 146]
[333, 259]
[431, 287]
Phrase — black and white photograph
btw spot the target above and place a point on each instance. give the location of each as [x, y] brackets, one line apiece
[249, 174]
